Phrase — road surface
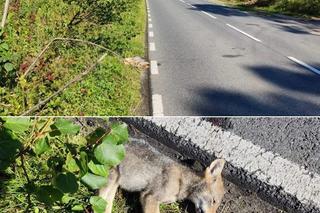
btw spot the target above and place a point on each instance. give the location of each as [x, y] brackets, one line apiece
[208, 59]
[266, 159]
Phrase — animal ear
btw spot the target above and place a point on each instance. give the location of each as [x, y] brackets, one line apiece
[215, 168]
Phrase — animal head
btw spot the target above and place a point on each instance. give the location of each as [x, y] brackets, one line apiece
[208, 193]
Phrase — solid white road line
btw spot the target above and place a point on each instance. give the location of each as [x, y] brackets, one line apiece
[154, 68]
[157, 106]
[267, 166]
[152, 46]
[150, 26]
[151, 34]
[304, 65]
[209, 15]
[244, 33]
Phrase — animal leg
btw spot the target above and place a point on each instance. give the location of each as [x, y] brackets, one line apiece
[150, 204]
[108, 193]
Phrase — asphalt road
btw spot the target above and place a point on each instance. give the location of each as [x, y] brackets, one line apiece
[297, 139]
[214, 60]
[262, 154]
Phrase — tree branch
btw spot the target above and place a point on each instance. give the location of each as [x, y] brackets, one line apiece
[76, 79]
[5, 13]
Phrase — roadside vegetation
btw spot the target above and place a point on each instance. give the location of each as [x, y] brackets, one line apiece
[302, 8]
[55, 165]
[89, 31]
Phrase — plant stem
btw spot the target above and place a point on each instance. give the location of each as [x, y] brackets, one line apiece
[5, 13]
[28, 180]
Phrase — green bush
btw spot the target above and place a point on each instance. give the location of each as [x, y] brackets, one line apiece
[115, 24]
[51, 165]
[307, 7]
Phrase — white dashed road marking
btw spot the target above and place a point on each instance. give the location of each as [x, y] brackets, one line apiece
[190, 5]
[209, 15]
[150, 26]
[152, 46]
[157, 106]
[151, 34]
[154, 68]
[244, 33]
[304, 65]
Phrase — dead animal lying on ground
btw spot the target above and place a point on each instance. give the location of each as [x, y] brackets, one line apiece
[137, 62]
[162, 180]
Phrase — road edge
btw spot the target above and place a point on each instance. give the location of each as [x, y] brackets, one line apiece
[272, 194]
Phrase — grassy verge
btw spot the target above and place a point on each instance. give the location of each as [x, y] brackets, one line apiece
[307, 9]
[112, 88]
[121, 204]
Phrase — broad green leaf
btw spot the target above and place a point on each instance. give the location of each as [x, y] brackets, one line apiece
[110, 154]
[8, 147]
[94, 181]
[96, 135]
[17, 124]
[66, 199]
[119, 132]
[36, 210]
[71, 164]
[98, 169]
[66, 127]
[78, 207]
[67, 183]
[8, 67]
[98, 204]
[48, 194]
[41, 146]
[83, 163]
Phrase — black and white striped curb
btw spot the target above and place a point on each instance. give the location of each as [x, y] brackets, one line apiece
[275, 179]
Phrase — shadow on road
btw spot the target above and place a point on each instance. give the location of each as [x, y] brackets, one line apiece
[285, 23]
[305, 82]
[218, 9]
[292, 98]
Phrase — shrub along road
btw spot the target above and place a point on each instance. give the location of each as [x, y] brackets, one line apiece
[215, 60]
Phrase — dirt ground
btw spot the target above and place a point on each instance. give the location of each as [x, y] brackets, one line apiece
[237, 200]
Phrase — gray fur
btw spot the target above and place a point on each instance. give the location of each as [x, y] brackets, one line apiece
[159, 179]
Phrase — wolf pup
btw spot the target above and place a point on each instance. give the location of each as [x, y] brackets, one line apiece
[162, 180]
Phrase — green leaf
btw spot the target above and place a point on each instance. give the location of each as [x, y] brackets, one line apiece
[96, 135]
[66, 199]
[83, 163]
[4, 46]
[94, 181]
[66, 127]
[17, 124]
[41, 146]
[98, 169]
[78, 207]
[8, 67]
[119, 133]
[9, 147]
[67, 183]
[71, 164]
[108, 153]
[48, 194]
[98, 204]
